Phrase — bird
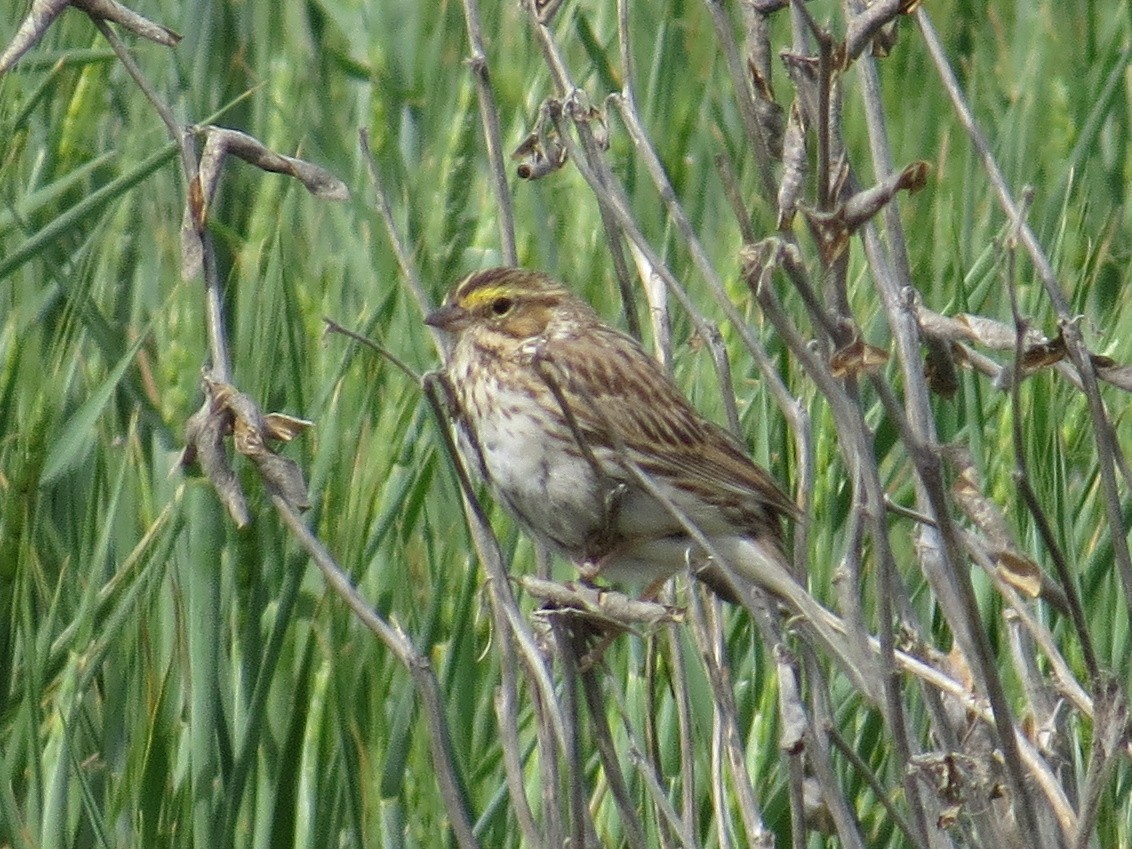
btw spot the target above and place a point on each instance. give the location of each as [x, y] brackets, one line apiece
[585, 439]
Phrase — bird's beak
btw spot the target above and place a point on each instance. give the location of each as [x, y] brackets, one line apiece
[449, 318]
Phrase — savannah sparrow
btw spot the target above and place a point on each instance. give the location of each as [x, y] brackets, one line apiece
[561, 414]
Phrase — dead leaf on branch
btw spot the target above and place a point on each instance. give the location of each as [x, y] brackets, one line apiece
[866, 203]
[758, 261]
[997, 335]
[958, 780]
[857, 357]
[1040, 352]
[1119, 376]
[229, 412]
[115, 12]
[833, 228]
[939, 366]
[581, 111]
[993, 334]
[251, 433]
[221, 142]
[1014, 567]
[543, 151]
[44, 12]
[768, 114]
[1044, 354]
[864, 26]
[795, 725]
[885, 39]
[204, 443]
[795, 164]
[284, 428]
[1020, 572]
[942, 326]
[832, 237]
[540, 153]
[803, 73]
[980, 510]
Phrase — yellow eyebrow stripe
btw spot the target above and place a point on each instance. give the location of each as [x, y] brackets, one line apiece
[484, 295]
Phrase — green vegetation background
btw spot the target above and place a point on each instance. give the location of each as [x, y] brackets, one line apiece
[136, 623]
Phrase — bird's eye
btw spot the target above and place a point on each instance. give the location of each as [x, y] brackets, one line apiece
[501, 306]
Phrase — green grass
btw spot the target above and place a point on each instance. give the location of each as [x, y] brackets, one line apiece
[169, 680]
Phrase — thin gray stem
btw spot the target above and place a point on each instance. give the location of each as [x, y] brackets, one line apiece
[489, 114]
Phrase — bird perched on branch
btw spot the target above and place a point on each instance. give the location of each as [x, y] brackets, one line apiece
[585, 439]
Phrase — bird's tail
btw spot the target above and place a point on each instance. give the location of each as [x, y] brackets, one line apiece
[749, 561]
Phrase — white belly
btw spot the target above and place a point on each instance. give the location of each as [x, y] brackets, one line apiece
[551, 489]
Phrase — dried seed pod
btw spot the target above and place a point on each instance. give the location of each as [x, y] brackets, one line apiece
[857, 357]
[543, 151]
[795, 164]
[538, 156]
[1044, 354]
[868, 202]
[939, 366]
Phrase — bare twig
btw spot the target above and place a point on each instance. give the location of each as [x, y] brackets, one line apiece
[755, 130]
[711, 653]
[44, 12]
[1022, 475]
[1107, 449]
[400, 250]
[595, 703]
[865, 24]
[489, 114]
[677, 665]
[507, 716]
[879, 792]
[197, 253]
[447, 774]
[227, 409]
[1110, 727]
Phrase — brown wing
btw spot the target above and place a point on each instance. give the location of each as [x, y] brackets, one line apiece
[624, 390]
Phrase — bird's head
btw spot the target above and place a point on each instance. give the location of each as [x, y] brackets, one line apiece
[504, 305]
